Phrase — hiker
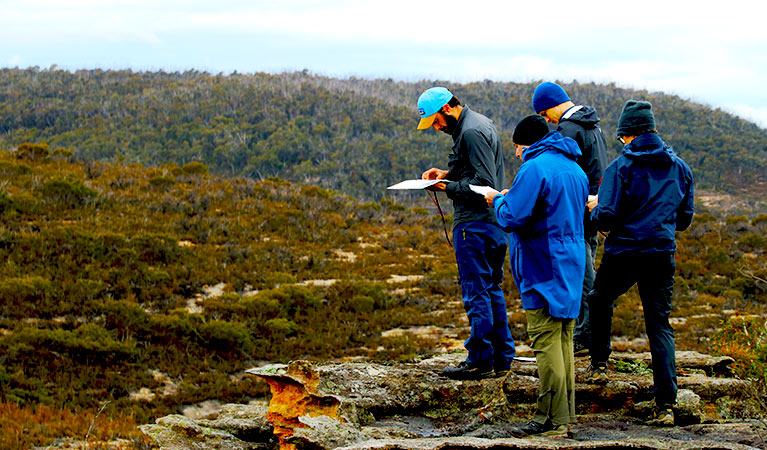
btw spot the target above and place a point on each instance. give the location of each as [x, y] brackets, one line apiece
[645, 197]
[580, 123]
[543, 210]
[480, 244]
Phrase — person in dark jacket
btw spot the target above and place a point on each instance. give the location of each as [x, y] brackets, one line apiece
[480, 244]
[581, 123]
[645, 197]
[543, 210]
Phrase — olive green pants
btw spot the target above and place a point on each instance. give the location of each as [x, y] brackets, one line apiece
[552, 342]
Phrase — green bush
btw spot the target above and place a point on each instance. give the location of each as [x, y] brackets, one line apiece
[228, 337]
[162, 183]
[745, 340]
[66, 192]
[156, 248]
[9, 169]
[26, 297]
[280, 328]
[5, 202]
[194, 168]
[32, 152]
[88, 344]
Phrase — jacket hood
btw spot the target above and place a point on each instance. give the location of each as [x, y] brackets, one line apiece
[650, 148]
[553, 141]
[584, 115]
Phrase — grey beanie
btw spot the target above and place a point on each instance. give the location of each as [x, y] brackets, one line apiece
[637, 118]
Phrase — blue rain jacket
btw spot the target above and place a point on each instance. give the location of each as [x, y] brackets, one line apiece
[645, 196]
[543, 211]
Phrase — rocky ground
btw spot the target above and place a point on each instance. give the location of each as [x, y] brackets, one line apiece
[363, 406]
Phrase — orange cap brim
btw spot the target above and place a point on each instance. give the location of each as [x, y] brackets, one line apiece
[426, 122]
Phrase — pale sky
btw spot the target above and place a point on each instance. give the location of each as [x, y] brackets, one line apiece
[713, 55]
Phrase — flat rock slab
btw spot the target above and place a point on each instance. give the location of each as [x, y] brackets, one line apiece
[593, 435]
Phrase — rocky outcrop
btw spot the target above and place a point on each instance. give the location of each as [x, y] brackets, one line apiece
[410, 406]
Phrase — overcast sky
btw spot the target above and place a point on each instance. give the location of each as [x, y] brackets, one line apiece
[713, 55]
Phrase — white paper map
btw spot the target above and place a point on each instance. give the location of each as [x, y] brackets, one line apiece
[416, 184]
[481, 190]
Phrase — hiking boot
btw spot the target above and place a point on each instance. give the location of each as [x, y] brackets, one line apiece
[534, 428]
[464, 371]
[663, 417]
[597, 374]
[580, 349]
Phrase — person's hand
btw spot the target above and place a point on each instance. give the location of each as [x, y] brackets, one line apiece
[435, 174]
[593, 201]
[437, 187]
[490, 196]
[503, 192]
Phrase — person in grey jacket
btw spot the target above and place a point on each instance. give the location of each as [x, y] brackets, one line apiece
[480, 243]
[580, 123]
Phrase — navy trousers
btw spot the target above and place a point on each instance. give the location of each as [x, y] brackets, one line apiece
[653, 274]
[480, 249]
[583, 322]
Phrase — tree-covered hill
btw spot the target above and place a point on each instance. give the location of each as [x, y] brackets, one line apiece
[352, 135]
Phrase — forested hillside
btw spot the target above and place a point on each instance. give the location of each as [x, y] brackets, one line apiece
[107, 299]
[352, 135]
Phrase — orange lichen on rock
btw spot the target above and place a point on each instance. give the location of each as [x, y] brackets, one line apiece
[294, 394]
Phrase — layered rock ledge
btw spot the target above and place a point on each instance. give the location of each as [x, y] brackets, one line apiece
[410, 406]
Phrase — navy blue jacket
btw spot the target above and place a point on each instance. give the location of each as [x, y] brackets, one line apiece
[581, 123]
[645, 196]
[543, 211]
[477, 159]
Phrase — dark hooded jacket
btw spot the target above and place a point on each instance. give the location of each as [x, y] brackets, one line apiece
[581, 124]
[543, 211]
[477, 159]
[645, 196]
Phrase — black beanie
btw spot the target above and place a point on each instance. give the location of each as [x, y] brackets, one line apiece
[530, 130]
[637, 118]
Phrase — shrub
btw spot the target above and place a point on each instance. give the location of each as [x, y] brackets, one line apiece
[26, 297]
[66, 192]
[156, 248]
[88, 344]
[280, 327]
[62, 154]
[162, 182]
[228, 336]
[8, 168]
[745, 340]
[5, 202]
[32, 152]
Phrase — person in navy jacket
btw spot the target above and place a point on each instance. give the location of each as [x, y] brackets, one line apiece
[543, 212]
[646, 196]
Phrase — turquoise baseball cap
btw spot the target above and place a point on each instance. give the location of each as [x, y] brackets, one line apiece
[429, 103]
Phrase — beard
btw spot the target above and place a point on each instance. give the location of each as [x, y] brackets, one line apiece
[451, 124]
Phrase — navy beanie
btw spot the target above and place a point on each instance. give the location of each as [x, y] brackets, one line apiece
[548, 95]
[530, 130]
[637, 118]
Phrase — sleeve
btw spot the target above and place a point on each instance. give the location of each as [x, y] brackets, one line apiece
[686, 209]
[605, 215]
[515, 209]
[481, 156]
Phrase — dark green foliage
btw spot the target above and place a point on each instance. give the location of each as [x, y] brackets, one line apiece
[25, 297]
[5, 202]
[32, 152]
[355, 136]
[66, 193]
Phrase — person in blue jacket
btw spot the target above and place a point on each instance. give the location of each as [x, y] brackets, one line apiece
[543, 210]
[581, 123]
[646, 196]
